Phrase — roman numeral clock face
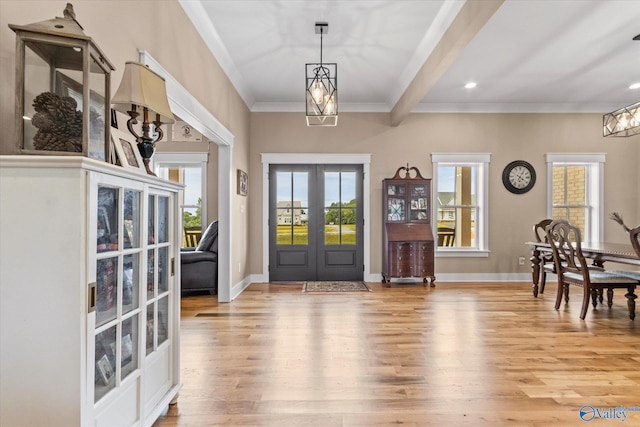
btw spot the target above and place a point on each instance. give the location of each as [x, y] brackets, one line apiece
[519, 177]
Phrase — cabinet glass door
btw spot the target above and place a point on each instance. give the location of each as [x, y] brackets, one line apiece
[396, 195]
[118, 260]
[418, 202]
[158, 273]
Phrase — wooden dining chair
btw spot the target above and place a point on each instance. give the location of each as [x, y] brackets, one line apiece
[572, 269]
[634, 236]
[546, 260]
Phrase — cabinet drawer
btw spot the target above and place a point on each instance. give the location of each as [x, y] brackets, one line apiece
[424, 248]
[400, 259]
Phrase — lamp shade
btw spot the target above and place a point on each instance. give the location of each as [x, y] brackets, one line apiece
[143, 87]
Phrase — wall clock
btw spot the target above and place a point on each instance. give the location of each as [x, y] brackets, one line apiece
[519, 177]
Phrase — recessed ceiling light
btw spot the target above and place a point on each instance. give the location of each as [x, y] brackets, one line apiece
[635, 86]
[470, 85]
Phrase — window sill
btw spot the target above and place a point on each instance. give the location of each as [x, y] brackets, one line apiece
[461, 253]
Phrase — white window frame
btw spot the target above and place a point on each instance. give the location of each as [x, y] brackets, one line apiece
[481, 161]
[594, 226]
[177, 160]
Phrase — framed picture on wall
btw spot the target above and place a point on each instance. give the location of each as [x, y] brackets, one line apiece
[127, 150]
[243, 180]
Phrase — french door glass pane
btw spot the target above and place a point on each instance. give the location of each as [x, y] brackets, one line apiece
[348, 188]
[292, 208]
[348, 226]
[331, 226]
[284, 187]
[285, 226]
[300, 234]
[331, 188]
[129, 346]
[130, 282]
[339, 208]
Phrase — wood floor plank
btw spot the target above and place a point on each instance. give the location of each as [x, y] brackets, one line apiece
[472, 354]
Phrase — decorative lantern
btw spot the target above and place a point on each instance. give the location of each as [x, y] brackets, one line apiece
[62, 90]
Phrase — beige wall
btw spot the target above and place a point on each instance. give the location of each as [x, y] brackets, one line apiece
[162, 28]
[171, 39]
[507, 137]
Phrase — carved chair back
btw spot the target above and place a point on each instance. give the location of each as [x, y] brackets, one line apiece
[540, 230]
[634, 235]
[565, 242]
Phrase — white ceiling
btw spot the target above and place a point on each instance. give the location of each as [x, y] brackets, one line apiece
[531, 56]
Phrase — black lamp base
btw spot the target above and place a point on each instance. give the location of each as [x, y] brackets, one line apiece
[146, 149]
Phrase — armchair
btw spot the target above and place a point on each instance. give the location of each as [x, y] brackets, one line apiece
[199, 267]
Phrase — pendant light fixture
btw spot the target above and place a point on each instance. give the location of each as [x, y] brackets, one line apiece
[625, 121]
[622, 122]
[321, 88]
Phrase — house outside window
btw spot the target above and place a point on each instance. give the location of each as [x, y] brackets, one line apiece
[575, 191]
[460, 182]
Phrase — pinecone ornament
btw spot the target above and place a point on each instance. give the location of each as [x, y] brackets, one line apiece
[59, 123]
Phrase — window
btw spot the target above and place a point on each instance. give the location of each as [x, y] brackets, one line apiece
[575, 191]
[188, 169]
[461, 201]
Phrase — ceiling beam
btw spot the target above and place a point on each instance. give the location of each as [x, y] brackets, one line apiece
[469, 21]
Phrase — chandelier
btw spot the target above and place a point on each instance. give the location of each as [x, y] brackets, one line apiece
[622, 122]
[321, 88]
[625, 121]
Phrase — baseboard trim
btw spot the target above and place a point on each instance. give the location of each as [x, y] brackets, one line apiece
[440, 277]
[239, 288]
[464, 277]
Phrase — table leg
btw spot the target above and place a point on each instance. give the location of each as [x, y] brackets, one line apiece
[631, 302]
[535, 270]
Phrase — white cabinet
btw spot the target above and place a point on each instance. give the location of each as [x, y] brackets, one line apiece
[89, 293]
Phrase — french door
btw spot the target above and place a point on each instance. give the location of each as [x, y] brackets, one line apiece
[315, 222]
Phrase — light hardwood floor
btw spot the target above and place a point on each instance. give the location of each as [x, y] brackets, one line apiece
[483, 354]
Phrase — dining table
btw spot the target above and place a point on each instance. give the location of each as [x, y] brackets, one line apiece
[598, 252]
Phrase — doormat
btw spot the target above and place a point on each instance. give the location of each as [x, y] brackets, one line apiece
[335, 287]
